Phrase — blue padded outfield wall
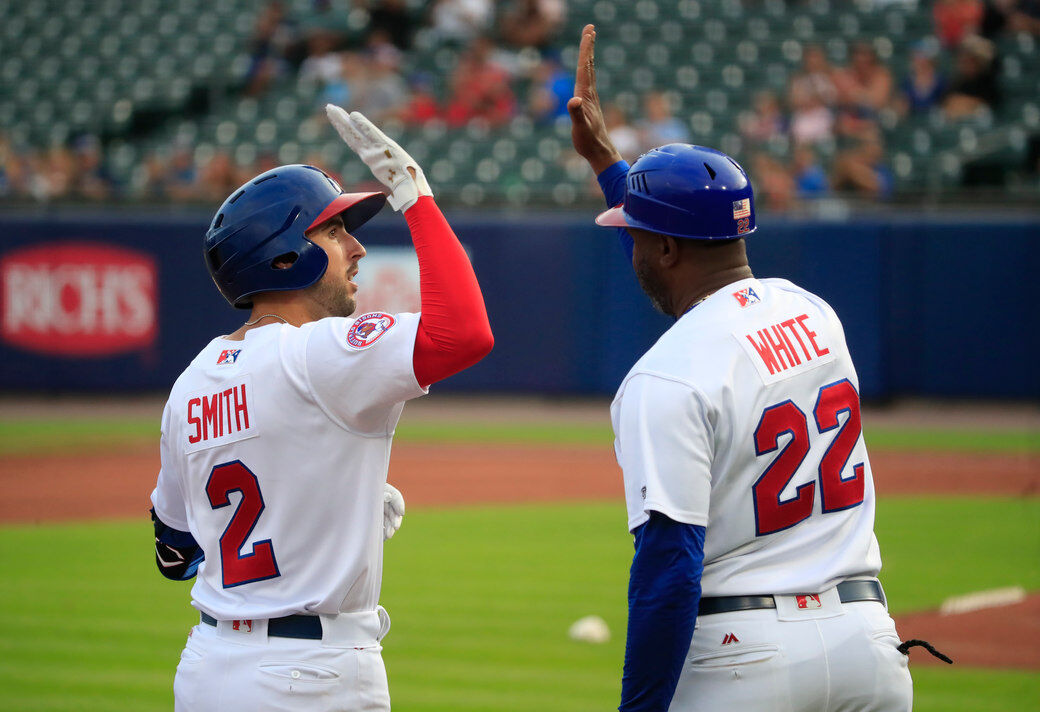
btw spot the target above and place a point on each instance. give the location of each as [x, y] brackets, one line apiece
[931, 307]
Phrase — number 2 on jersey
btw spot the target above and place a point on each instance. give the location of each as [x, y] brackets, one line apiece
[772, 515]
[241, 568]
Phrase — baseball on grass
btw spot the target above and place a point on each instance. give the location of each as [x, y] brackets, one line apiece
[590, 629]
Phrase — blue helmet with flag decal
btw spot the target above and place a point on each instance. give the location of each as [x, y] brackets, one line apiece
[686, 191]
[266, 220]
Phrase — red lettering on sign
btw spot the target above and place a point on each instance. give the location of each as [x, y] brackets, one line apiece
[78, 299]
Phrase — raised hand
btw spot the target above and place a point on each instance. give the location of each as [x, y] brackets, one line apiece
[389, 163]
[588, 128]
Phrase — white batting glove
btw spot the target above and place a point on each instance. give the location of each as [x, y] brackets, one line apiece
[388, 162]
[393, 510]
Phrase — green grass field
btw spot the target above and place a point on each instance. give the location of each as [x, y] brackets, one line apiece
[20, 437]
[481, 600]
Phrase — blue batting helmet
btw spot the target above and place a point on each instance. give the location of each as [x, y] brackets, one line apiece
[686, 191]
[266, 219]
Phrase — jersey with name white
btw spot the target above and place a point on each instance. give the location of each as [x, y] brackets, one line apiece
[274, 455]
[744, 418]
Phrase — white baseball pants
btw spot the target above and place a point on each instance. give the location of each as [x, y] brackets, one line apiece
[239, 668]
[839, 657]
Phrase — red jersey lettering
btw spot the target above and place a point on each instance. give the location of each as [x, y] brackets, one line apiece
[811, 335]
[776, 348]
[224, 413]
[766, 353]
[194, 420]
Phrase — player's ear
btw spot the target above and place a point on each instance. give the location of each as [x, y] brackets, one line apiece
[669, 250]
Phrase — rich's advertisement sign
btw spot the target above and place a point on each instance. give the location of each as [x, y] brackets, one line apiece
[78, 299]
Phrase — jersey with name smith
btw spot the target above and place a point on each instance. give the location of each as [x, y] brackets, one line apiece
[274, 452]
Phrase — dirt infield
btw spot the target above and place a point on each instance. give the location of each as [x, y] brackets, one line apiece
[49, 488]
[1004, 637]
[54, 488]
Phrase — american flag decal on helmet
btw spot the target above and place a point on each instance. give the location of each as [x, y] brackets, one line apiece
[741, 208]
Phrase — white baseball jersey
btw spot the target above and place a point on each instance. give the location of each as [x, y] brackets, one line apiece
[744, 418]
[274, 454]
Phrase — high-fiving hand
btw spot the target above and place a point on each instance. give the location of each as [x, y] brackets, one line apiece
[389, 163]
[588, 129]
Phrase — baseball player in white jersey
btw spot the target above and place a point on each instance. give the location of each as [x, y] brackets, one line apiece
[747, 482]
[276, 438]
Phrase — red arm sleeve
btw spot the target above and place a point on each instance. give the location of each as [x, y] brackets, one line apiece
[454, 332]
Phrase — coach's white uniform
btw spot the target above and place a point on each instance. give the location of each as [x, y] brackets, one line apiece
[744, 419]
[274, 453]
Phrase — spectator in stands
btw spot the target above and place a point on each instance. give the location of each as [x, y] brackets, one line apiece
[393, 18]
[385, 92]
[862, 170]
[149, 178]
[461, 21]
[7, 161]
[865, 84]
[774, 187]
[181, 179]
[816, 78]
[864, 89]
[1026, 17]
[923, 88]
[220, 176]
[765, 121]
[658, 125]
[480, 88]
[812, 121]
[974, 87]
[323, 63]
[1001, 16]
[810, 178]
[532, 23]
[421, 106]
[342, 88]
[551, 87]
[622, 134]
[58, 173]
[272, 37]
[956, 19]
[90, 178]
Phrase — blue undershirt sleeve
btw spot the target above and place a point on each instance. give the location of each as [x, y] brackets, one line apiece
[663, 594]
[612, 183]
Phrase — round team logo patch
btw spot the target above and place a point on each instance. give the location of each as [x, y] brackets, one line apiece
[368, 328]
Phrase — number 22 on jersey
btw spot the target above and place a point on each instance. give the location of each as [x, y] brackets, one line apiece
[787, 419]
[239, 568]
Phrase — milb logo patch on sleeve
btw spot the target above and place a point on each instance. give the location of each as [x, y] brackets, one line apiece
[368, 329]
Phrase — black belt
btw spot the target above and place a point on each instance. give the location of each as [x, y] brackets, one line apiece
[305, 627]
[848, 592]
